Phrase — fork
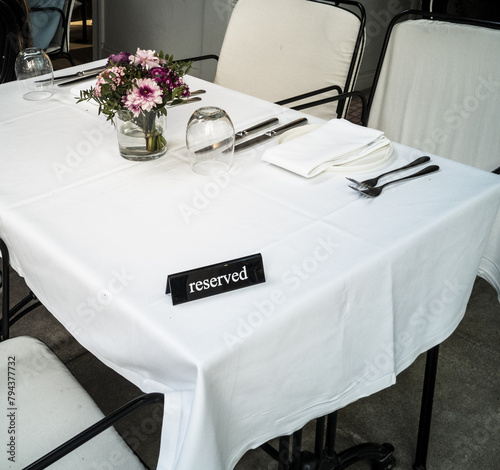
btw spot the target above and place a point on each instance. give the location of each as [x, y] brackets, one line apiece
[374, 192]
[373, 181]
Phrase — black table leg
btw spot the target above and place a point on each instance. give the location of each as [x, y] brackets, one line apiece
[325, 458]
[426, 409]
[380, 455]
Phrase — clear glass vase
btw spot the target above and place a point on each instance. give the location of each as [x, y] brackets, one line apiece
[141, 138]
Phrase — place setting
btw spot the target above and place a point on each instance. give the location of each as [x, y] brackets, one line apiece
[338, 146]
[212, 141]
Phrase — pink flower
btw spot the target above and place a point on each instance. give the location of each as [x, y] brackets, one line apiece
[145, 59]
[114, 74]
[145, 95]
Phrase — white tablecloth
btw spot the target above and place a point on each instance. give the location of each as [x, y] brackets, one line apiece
[355, 288]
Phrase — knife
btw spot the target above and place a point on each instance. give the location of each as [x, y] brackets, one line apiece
[79, 79]
[270, 122]
[269, 134]
[187, 100]
[82, 73]
[239, 135]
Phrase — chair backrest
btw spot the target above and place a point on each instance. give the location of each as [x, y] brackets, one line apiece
[276, 49]
[14, 36]
[437, 88]
[61, 38]
[59, 44]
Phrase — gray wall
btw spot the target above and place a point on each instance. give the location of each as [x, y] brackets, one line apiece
[182, 28]
[187, 28]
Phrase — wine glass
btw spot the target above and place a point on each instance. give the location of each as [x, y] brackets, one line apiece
[34, 74]
[210, 141]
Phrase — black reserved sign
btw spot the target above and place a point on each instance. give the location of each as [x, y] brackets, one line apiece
[215, 279]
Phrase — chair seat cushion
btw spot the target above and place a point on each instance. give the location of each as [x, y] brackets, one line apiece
[43, 406]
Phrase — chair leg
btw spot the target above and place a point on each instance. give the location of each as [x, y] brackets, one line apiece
[67, 56]
[426, 409]
[5, 289]
[10, 315]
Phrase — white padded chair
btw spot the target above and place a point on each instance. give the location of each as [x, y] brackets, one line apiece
[48, 416]
[44, 406]
[277, 49]
[437, 87]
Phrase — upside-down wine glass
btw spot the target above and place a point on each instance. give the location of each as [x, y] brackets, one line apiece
[210, 141]
[34, 74]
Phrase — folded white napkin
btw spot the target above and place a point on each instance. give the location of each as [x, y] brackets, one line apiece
[337, 142]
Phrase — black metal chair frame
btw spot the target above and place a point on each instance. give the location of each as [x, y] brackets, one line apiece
[342, 97]
[380, 455]
[366, 104]
[438, 6]
[26, 305]
[95, 429]
[60, 52]
[433, 354]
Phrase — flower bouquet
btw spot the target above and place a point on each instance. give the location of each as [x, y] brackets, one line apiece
[136, 89]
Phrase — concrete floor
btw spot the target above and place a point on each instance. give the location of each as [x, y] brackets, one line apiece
[465, 430]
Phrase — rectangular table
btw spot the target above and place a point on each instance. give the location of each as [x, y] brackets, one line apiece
[355, 288]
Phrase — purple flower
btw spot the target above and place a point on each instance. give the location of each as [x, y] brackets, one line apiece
[145, 95]
[159, 75]
[122, 58]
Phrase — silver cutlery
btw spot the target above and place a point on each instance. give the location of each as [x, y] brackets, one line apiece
[81, 73]
[239, 135]
[79, 79]
[257, 127]
[372, 182]
[188, 100]
[269, 134]
[377, 190]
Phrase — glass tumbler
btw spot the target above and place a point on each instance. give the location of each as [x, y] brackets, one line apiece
[34, 74]
[210, 141]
